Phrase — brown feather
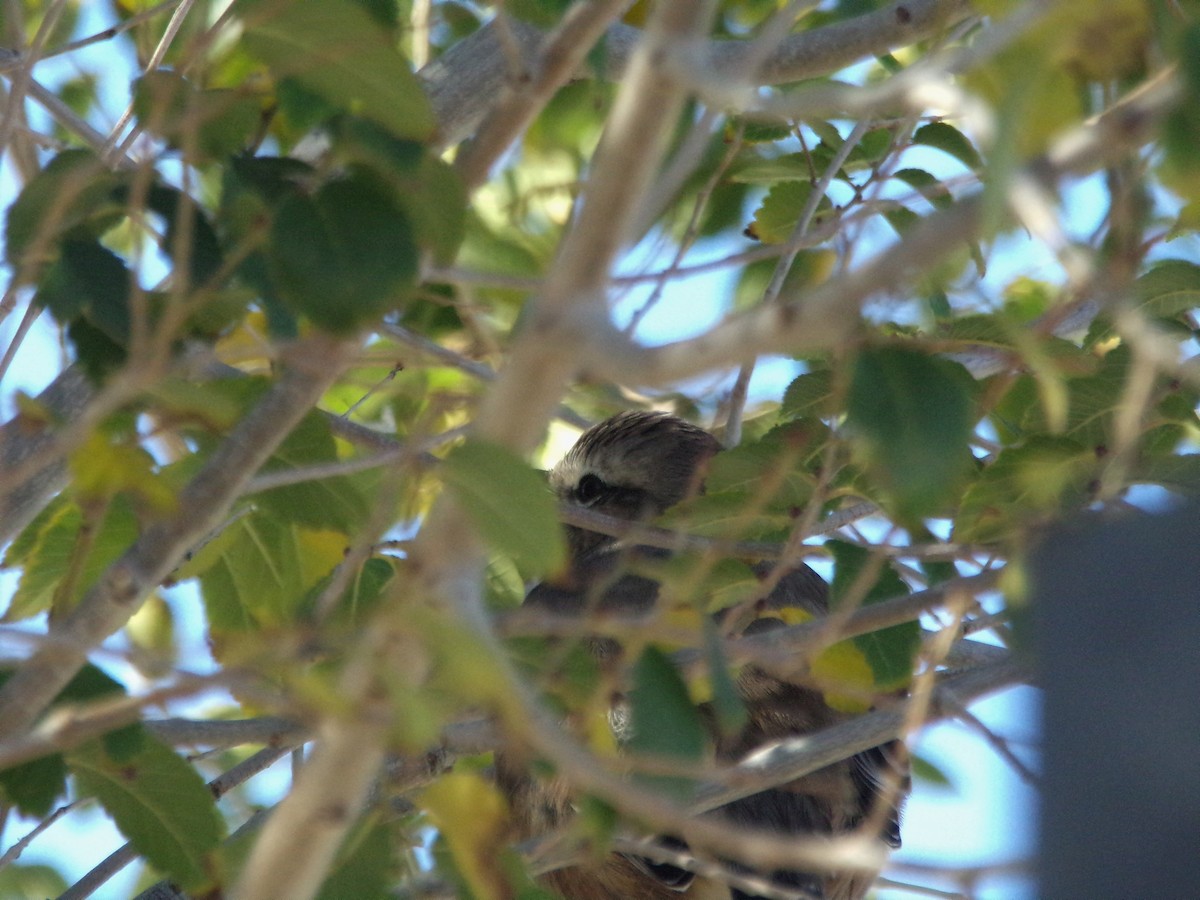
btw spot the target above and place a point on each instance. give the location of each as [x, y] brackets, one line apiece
[637, 465]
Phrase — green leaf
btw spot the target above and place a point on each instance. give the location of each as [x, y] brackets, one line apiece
[363, 593]
[159, 803]
[546, 13]
[776, 218]
[810, 394]
[763, 132]
[18, 552]
[335, 48]
[789, 167]
[728, 709]
[1091, 401]
[509, 503]
[364, 864]
[663, 722]
[932, 189]
[827, 132]
[35, 786]
[929, 774]
[1178, 472]
[1023, 484]
[1170, 287]
[778, 458]
[73, 194]
[427, 188]
[1166, 291]
[755, 490]
[206, 124]
[503, 585]
[914, 416]
[345, 255]
[873, 147]
[891, 652]
[50, 556]
[183, 217]
[901, 218]
[257, 574]
[31, 881]
[89, 280]
[949, 140]
[339, 502]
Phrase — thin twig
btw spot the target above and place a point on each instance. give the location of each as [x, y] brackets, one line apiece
[13, 853]
[127, 853]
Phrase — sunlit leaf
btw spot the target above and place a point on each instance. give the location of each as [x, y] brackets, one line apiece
[101, 469]
[890, 653]
[928, 774]
[62, 550]
[261, 575]
[775, 220]
[845, 677]
[472, 816]
[31, 881]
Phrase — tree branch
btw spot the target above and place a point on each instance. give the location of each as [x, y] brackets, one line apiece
[827, 316]
[795, 757]
[314, 364]
[558, 57]
[300, 838]
[463, 83]
[127, 853]
[22, 442]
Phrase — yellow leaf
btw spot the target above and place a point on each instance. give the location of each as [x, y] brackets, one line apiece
[791, 615]
[247, 346]
[473, 818]
[845, 677]
[33, 414]
[101, 470]
[320, 551]
[597, 727]
[637, 14]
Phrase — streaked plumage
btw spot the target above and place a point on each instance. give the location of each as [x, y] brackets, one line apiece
[636, 465]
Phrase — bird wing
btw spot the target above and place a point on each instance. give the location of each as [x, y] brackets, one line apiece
[844, 794]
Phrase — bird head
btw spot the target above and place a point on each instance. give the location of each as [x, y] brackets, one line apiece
[633, 466]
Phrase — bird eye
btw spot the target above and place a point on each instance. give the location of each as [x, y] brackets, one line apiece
[589, 489]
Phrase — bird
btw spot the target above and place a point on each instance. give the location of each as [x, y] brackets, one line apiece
[635, 466]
